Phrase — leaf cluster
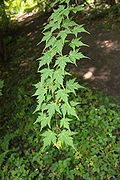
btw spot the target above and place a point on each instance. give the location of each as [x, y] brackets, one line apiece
[55, 110]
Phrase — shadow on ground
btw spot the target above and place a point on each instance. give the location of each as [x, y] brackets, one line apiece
[102, 70]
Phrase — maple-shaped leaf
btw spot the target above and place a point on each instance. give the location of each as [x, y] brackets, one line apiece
[68, 23]
[47, 58]
[47, 36]
[57, 12]
[50, 42]
[62, 94]
[45, 73]
[40, 93]
[66, 11]
[43, 119]
[76, 43]
[79, 29]
[49, 137]
[58, 76]
[64, 122]
[51, 109]
[62, 61]
[59, 45]
[40, 89]
[68, 109]
[75, 55]
[57, 24]
[71, 85]
[65, 138]
[40, 100]
[63, 34]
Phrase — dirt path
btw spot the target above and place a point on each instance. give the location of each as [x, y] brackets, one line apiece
[102, 70]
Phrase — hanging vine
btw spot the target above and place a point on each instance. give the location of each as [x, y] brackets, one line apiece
[56, 110]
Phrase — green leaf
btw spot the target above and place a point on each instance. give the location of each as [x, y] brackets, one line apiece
[49, 138]
[61, 94]
[40, 89]
[68, 23]
[43, 119]
[65, 138]
[40, 100]
[75, 55]
[6, 140]
[47, 57]
[47, 36]
[74, 104]
[62, 61]
[50, 42]
[57, 13]
[45, 73]
[59, 45]
[78, 29]
[64, 122]
[40, 93]
[58, 76]
[57, 109]
[76, 43]
[67, 109]
[54, 25]
[51, 109]
[71, 85]
[63, 34]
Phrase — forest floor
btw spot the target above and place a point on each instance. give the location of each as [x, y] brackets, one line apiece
[21, 149]
[100, 71]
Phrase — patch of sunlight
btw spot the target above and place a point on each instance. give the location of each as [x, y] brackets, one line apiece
[22, 16]
[90, 73]
[109, 45]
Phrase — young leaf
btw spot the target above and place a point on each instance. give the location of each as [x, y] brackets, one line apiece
[57, 13]
[63, 34]
[62, 61]
[49, 138]
[65, 138]
[75, 55]
[51, 109]
[58, 76]
[61, 94]
[76, 43]
[46, 73]
[67, 109]
[50, 42]
[47, 58]
[68, 23]
[71, 85]
[44, 120]
[79, 29]
[64, 122]
[59, 45]
[47, 36]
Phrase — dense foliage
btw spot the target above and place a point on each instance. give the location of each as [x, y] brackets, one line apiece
[97, 143]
